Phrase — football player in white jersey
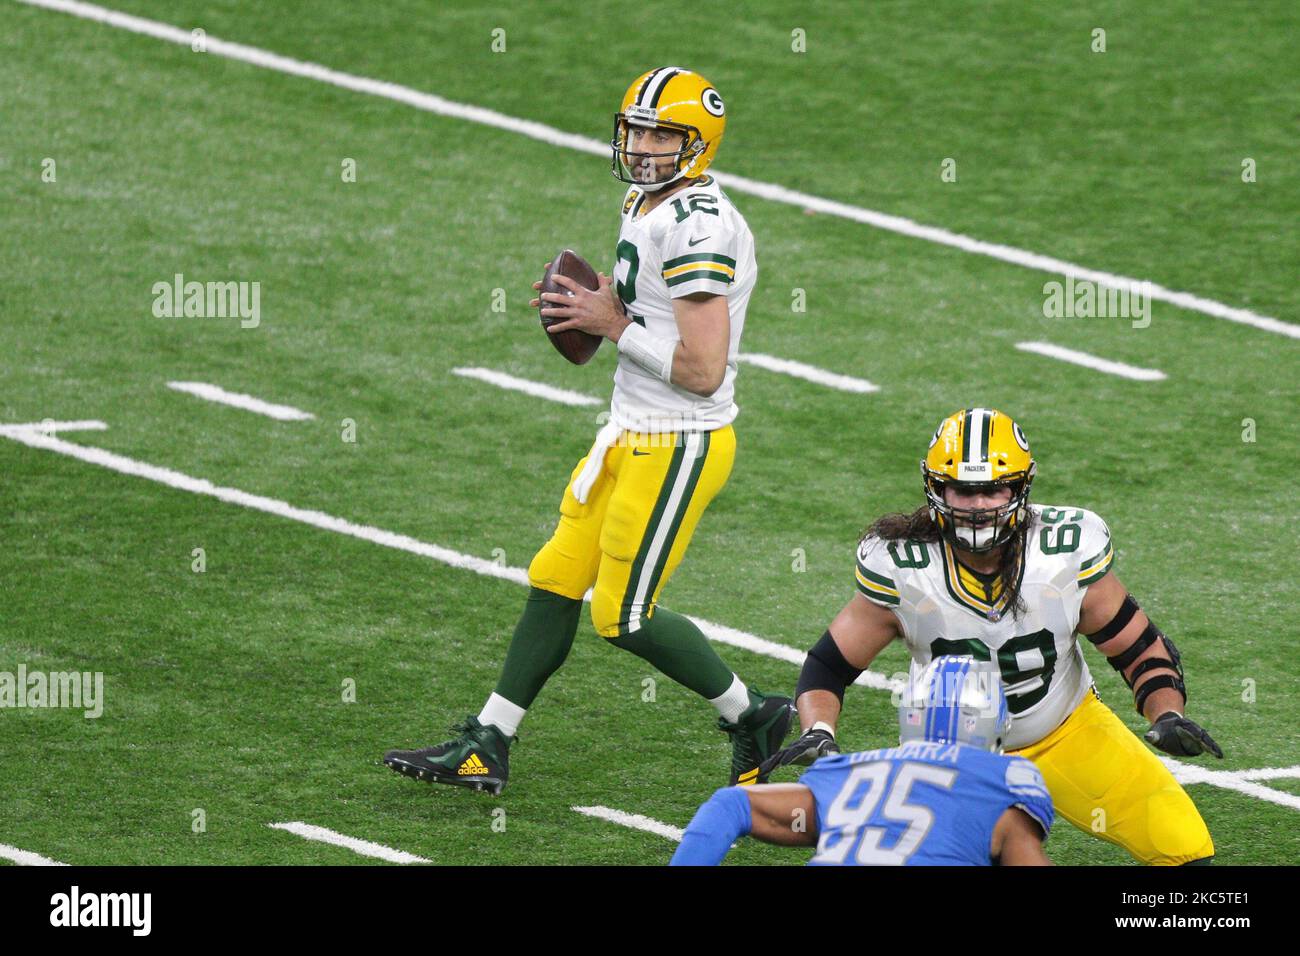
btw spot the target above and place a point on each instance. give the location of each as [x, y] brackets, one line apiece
[683, 273]
[979, 570]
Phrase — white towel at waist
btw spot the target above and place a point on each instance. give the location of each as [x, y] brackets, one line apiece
[595, 461]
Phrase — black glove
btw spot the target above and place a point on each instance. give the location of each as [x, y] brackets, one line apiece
[809, 747]
[1175, 734]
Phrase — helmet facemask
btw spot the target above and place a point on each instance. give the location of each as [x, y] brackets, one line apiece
[979, 529]
[637, 168]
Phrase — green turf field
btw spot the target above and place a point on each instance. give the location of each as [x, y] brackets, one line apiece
[224, 689]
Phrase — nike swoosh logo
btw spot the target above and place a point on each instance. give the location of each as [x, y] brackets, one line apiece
[696, 242]
[636, 452]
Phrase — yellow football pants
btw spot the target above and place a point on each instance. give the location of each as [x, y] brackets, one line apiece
[629, 537]
[1105, 781]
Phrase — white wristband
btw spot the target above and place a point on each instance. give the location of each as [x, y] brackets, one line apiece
[651, 352]
[822, 725]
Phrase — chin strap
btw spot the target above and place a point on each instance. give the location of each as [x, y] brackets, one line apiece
[655, 187]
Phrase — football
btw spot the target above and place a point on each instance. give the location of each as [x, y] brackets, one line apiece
[574, 344]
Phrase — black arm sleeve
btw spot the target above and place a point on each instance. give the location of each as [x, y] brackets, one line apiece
[826, 669]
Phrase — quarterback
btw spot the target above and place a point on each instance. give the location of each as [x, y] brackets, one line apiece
[683, 273]
[979, 570]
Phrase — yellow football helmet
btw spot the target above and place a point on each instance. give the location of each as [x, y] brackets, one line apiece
[675, 99]
[979, 449]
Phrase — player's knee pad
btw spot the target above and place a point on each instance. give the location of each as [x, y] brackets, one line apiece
[606, 613]
[615, 610]
[1177, 833]
[552, 570]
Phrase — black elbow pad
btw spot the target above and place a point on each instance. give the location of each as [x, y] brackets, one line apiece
[826, 669]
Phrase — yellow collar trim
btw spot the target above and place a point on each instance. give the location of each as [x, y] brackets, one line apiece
[968, 589]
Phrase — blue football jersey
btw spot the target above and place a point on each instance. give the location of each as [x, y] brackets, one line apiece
[919, 804]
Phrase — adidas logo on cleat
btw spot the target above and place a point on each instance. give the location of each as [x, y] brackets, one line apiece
[472, 766]
[748, 778]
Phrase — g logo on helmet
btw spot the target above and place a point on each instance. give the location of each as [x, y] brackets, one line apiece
[711, 100]
[1020, 437]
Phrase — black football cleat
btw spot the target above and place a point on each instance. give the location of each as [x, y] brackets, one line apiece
[757, 735]
[478, 757]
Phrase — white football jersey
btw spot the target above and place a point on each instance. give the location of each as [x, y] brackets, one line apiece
[694, 242]
[1041, 660]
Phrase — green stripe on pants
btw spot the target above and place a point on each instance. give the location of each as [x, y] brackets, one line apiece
[665, 492]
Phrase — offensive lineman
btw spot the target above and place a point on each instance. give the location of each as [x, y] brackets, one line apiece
[980, 571]
[684, 271]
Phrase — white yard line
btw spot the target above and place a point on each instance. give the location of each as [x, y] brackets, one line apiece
[215, 393]
[782, 652]
[364, 847]
[389, 539]
[1267, 773]
[1187, 773]
[810, 373]
[25, 857]
[50, 426]
[1092, 361]
[634, 820]
[536, 389]
[199, 486]
[548, 134]
[97, 456]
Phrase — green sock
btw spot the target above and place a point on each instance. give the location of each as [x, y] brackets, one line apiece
[541, 642]
[674, 645]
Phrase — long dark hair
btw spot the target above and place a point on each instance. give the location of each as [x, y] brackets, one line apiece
[920, 526]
